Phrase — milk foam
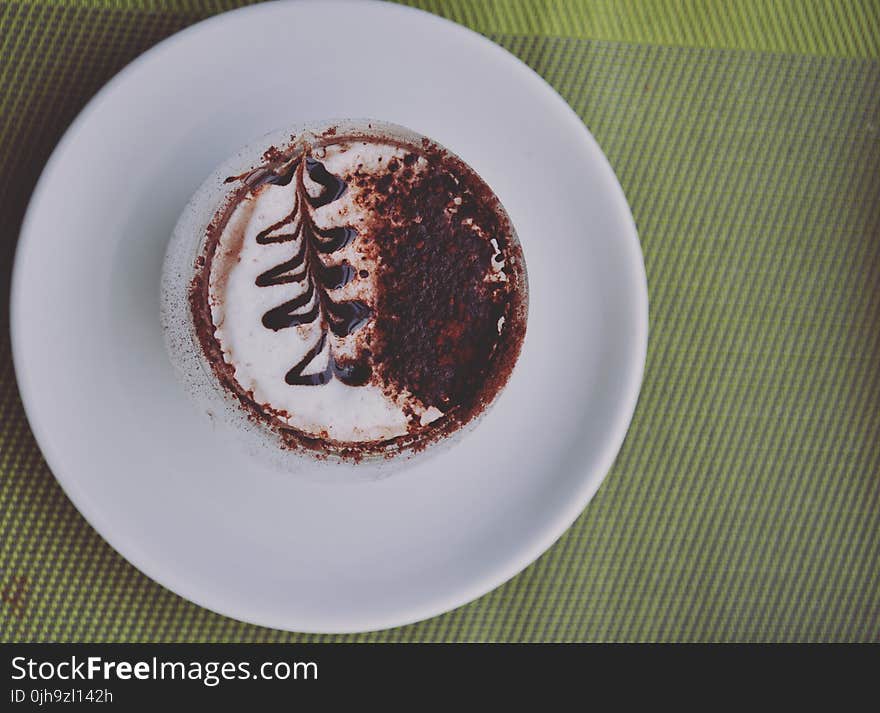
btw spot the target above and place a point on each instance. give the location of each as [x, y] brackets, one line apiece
[260, 356]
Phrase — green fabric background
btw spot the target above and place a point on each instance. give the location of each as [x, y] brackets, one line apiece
[745, 504]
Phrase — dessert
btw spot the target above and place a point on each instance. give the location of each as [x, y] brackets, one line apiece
[359, 290]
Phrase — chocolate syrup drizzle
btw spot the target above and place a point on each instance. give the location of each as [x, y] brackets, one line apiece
[306, 268]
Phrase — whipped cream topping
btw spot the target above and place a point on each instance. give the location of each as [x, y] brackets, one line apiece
[262, 357]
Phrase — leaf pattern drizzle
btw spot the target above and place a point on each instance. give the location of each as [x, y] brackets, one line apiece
[306, 268]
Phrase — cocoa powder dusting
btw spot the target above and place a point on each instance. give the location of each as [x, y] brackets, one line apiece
[436, 318]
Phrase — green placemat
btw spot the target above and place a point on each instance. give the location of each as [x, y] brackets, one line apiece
[745, 504]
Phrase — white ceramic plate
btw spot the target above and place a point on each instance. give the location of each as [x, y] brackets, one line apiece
[188, 507]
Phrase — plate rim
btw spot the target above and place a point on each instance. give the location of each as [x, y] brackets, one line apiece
[529, 551]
